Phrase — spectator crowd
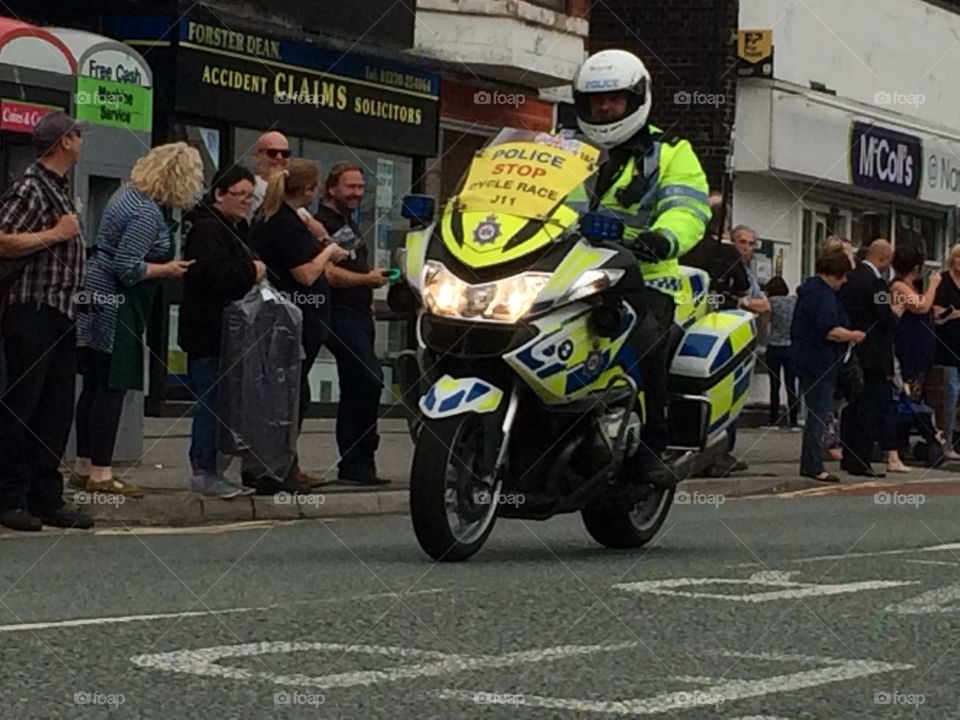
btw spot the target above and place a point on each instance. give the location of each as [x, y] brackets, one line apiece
[855, 346]
[67, 308]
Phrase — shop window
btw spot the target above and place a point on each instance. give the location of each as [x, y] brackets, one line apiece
[923, 231]
[867, 226]
[818, 225]
[19, 155]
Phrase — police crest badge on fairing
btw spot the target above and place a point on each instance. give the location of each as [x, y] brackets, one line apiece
[487, 231]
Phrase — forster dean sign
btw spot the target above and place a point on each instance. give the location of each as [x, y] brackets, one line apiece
[885, 160]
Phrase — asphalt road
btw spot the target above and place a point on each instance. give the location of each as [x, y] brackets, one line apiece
[786, 608]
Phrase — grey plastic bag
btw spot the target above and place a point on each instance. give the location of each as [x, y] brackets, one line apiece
[259, 395]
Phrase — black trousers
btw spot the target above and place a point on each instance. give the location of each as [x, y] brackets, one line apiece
[361, 381]
[36, 406]
[650, 344]
[98, 409]
[864, 422]
[778, 360]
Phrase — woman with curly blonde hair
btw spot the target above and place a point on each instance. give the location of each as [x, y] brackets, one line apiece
[131, 255]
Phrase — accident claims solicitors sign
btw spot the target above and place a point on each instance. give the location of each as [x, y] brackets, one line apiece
[244, 78]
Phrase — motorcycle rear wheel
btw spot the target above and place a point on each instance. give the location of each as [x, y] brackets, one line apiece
[627, 527]
[452, 507]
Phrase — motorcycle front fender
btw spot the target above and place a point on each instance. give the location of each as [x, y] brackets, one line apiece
[450, 396]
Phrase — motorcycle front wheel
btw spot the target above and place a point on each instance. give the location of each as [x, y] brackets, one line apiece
[628, 527]
[452, 504]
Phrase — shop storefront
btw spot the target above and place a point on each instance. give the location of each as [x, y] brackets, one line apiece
[808, 166]
[36, 77]
[220, 88]
[812, 168]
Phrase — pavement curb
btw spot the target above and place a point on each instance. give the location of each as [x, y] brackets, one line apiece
[734, 487]
[182, 509]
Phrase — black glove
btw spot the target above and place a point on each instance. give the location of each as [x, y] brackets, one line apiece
[650, 246]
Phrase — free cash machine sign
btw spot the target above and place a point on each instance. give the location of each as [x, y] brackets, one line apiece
[527, 179]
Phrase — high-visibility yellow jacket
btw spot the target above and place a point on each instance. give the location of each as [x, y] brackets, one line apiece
[664, 191]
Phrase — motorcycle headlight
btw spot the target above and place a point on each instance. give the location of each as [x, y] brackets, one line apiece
[591, 282]
[505, 300]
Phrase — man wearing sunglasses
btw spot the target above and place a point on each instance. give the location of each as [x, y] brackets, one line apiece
[270, 156]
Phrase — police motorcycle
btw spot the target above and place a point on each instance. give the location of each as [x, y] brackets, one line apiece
[531, 402]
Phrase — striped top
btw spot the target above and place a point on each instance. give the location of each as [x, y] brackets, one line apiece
[132, 233]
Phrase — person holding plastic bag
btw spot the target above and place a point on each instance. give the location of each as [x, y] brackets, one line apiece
[296, 264]
[224, 270]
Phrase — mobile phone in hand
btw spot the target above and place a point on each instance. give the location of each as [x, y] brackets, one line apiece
[946, 313]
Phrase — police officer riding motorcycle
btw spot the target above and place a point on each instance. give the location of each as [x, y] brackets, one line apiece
[654, 184]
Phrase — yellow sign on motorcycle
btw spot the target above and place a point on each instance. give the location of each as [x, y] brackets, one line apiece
[526, 179]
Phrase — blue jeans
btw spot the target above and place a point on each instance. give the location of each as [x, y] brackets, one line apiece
[202, 376]
[818, 397]
[953, 392]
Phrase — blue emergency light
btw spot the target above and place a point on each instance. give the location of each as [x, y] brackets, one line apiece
[600, 226]
[418, 209]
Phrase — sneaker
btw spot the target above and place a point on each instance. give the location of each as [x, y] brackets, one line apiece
[114, 486]
[213, 486]
[796, 429]
[768, 428]
[952, 455]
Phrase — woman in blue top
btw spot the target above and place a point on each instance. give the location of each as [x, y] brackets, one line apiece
[818, 342]
[131, 255]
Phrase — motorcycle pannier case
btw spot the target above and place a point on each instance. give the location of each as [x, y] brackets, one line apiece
[710, 376]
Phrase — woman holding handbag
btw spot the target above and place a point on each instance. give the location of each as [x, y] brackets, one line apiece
[131, 255]
[818, 343]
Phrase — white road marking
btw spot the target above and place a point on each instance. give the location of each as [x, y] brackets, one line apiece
[932, 562]
[949, 547]
[941, 600]
[791, 590]
[832, 671]
[119, 619]
[205, 662]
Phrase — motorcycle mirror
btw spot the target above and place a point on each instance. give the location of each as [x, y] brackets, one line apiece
[418, 209]
[600, 226]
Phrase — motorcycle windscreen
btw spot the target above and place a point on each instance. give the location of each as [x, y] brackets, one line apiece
[515, 196]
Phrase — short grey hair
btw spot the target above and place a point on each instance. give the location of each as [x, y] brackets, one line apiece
[744, 228]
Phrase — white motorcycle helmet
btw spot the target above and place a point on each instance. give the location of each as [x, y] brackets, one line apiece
[612, 71]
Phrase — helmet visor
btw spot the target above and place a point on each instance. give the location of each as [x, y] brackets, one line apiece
[609, 107]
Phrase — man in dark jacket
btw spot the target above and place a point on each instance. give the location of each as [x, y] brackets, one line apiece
[868, 306]
[352, 333]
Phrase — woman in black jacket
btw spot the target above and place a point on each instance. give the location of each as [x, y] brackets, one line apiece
[225, 269]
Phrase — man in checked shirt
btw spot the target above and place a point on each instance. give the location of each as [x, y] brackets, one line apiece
[38, 219]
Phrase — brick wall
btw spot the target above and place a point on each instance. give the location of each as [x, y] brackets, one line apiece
[687, 45]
